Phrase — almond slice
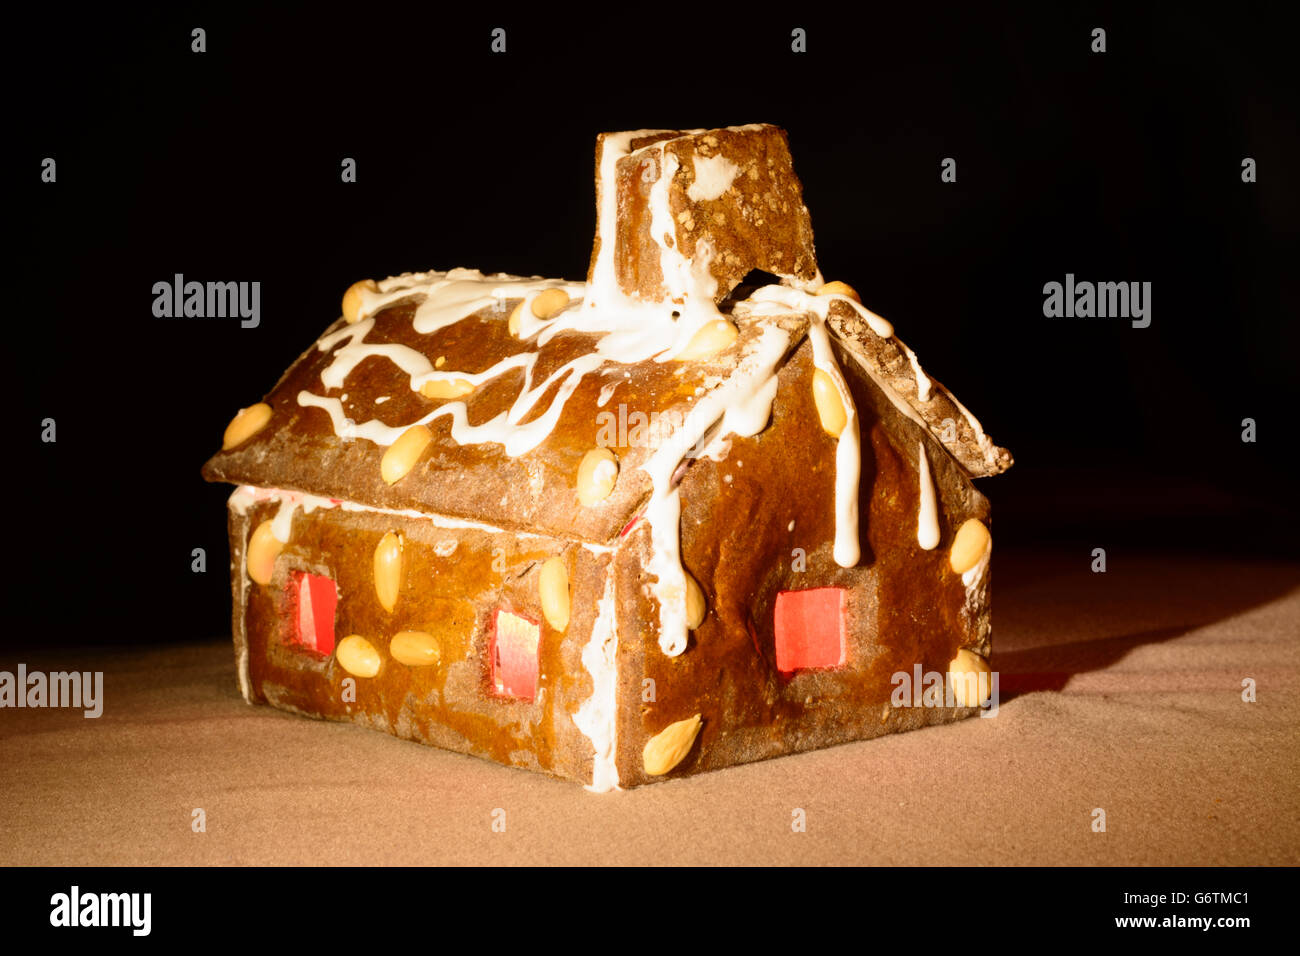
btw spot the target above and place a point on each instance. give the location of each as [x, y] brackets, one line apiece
[840, 288]
[712, 338]
[246, 423]
[263, 548]
[353, 299]
[358, 656]
[830, 407]
[402, 454]
[666, 749]
[596, 476]
[554, 585]
[415, 648]
[968, 546]
[388, 570]
[963, 673]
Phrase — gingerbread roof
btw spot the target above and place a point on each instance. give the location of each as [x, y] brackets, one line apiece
[507, 452]
[517, 380]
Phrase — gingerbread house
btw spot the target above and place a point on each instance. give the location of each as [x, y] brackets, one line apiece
[652, 524]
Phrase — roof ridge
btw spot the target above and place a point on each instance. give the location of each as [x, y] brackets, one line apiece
[895, 368]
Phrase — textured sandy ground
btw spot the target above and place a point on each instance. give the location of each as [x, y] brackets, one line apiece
[1120, 691]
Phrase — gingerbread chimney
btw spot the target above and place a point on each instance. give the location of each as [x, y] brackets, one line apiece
[683, 214]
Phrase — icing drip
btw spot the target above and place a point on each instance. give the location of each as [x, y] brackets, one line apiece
[604, 281]
[688, 280]
[282, 523]
[848, 452]
[742, 403]
[597, 717]
[670, 326]
[290, 501]
[773, 299]
[927, 519]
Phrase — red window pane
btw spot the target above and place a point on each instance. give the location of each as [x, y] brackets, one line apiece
[809, 629]
[514, 656]
[314, 601]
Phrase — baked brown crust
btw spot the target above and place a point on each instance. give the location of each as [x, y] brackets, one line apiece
[451, 594]
[536, 491]
[905, 604]
[758, 221]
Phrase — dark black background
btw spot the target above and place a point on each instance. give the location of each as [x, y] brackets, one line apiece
[225, 166]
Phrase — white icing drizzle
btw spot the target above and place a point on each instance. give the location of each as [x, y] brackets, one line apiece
[246, 495]
[799, 300]
[632, 333]
[282, 523]
[745, 390]
[606, 393]
[878, 324]
[603, 277]
[504, 429]
[717, 449]
[848, 452]
[597, 717]
[689, 282]
[927, 518]
[410, 361]
[604, 290]
[450, 296]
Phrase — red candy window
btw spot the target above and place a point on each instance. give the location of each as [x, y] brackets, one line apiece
[809, 629]
[514, 656]
[314, 599]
